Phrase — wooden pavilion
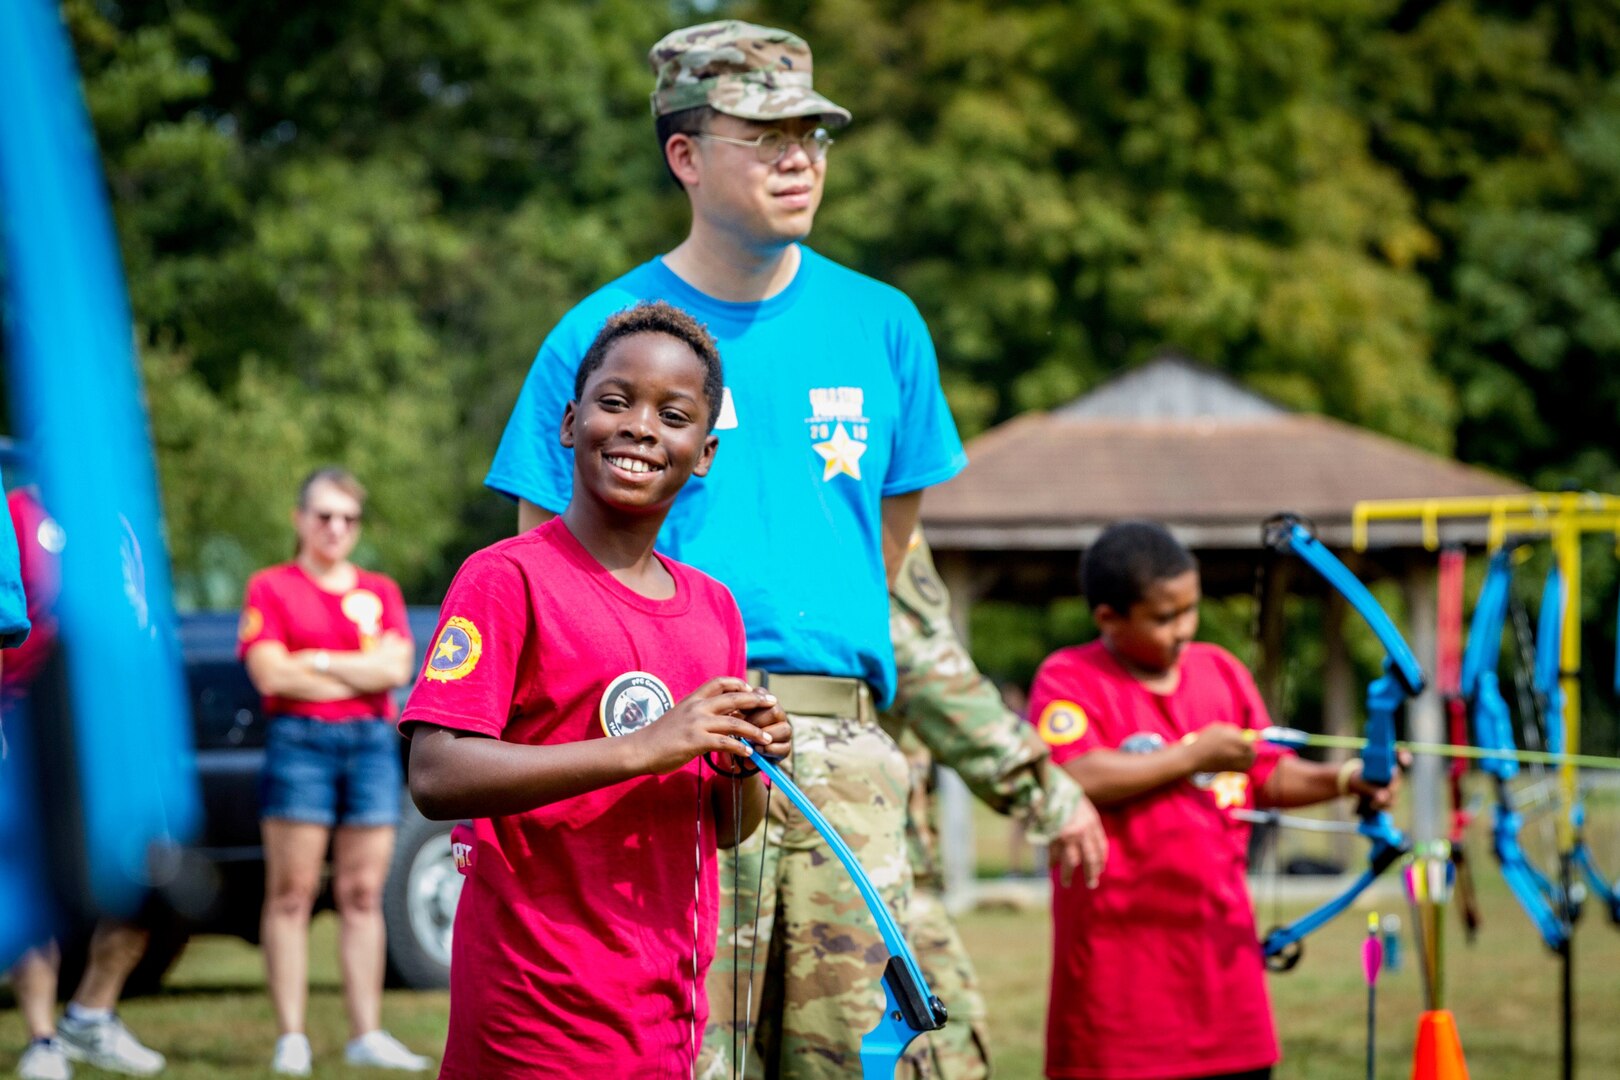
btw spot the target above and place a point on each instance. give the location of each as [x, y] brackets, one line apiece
[1177, 442]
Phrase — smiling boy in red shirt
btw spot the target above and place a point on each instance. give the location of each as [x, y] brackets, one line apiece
[576, 680]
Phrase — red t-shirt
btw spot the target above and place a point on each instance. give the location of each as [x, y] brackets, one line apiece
[284, 604]
[585, 927]
[39, 542]
[1157, 973]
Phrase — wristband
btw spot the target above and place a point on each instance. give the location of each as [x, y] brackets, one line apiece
[322, 661]
[1348, 771]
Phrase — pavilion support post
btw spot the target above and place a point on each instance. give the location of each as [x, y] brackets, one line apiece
[1273, 621]
[957, 854]
[1425, 716]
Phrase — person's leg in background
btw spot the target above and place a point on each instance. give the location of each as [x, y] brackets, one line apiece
[90, 1030]
[293, 853]
[33, 980]
[362, 849]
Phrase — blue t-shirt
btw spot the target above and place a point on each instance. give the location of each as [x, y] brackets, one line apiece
[818, 379]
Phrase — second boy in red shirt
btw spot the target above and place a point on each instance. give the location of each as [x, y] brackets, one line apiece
[1157, 973]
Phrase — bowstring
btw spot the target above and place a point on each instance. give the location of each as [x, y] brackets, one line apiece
[1269, 842]
[741, 1026]
[697, 909]
[1532, 732]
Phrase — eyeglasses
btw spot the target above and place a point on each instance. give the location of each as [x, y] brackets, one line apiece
[773, 145]
[326, 517]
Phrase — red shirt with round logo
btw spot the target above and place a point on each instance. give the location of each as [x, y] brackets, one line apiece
[1157, 973]
[284, 604]
[39, 541]
[585, 927]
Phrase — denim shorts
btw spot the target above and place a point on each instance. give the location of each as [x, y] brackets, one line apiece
[331, 773]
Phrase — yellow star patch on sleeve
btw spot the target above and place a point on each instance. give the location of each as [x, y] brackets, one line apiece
[455, 651]
[1062, 722]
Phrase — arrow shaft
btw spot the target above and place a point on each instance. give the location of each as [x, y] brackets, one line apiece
[1295, 737]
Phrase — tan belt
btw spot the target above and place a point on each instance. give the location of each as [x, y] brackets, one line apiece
[816, 695]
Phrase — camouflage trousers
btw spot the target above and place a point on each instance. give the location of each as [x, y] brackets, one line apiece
[959, 1050]
[791, 994]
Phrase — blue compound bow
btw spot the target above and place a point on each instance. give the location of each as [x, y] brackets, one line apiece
[910, 1007]
[1546, 902]
[1402, 678]
[1550, 696]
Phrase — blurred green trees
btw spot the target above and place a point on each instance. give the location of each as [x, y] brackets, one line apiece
[347, 225]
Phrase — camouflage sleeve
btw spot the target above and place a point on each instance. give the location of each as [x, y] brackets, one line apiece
[958, 714]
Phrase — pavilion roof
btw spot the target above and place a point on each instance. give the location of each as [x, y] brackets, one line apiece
[1185, 446]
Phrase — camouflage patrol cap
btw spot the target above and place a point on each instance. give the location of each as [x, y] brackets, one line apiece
[751, 72]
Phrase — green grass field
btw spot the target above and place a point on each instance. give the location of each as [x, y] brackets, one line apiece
[214, 1021]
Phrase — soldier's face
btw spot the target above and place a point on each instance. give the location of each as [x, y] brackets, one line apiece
[763, 204]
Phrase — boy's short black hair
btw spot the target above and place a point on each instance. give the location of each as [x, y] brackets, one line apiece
[1127, 559]
[692, 121]
[658, 317]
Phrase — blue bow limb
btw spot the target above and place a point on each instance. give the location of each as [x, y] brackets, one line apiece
[1544, 901]
[1402, 678]
[910, 1007]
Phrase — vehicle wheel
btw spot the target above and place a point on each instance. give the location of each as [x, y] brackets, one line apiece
[419, 902]
[168, 941]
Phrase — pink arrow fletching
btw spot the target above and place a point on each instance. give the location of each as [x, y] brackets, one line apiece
[1372, 951]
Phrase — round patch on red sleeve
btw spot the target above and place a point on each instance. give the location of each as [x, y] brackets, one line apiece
[1062, 722]
[251, 623]
[455, 651]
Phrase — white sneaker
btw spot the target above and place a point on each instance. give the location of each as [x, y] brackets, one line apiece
[292, 1056]
[107, 1044]
[380, 1050]
[45, 1060]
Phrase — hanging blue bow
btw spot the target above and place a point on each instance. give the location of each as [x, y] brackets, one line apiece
[1542, 899]
[1402, 678]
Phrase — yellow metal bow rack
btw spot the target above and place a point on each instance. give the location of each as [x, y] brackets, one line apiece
[1562, 518]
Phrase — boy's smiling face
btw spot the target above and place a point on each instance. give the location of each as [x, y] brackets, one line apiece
[641, 424]
[1152, 636]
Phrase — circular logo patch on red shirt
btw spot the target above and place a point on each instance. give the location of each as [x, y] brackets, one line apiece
[455, 651]
[251, 623]
[1062, 722]
[632, 701]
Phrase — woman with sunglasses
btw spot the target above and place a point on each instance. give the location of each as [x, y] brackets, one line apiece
[325, 642]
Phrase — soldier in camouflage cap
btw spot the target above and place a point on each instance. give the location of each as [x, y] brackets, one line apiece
[832, 409]
[747, 71]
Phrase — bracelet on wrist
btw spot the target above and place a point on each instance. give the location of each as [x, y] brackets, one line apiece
[323, 661]
[1348, 772]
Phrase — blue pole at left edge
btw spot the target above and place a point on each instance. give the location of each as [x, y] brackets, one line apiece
[77, 403]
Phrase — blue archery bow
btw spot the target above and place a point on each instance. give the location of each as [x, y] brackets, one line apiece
[1402, 678]
[1543, 900]
[1550, 694]
[910, 1007]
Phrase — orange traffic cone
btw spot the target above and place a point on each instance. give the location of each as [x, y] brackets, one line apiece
[1439, 1054]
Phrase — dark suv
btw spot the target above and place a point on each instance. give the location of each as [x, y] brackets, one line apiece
[223, 888]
